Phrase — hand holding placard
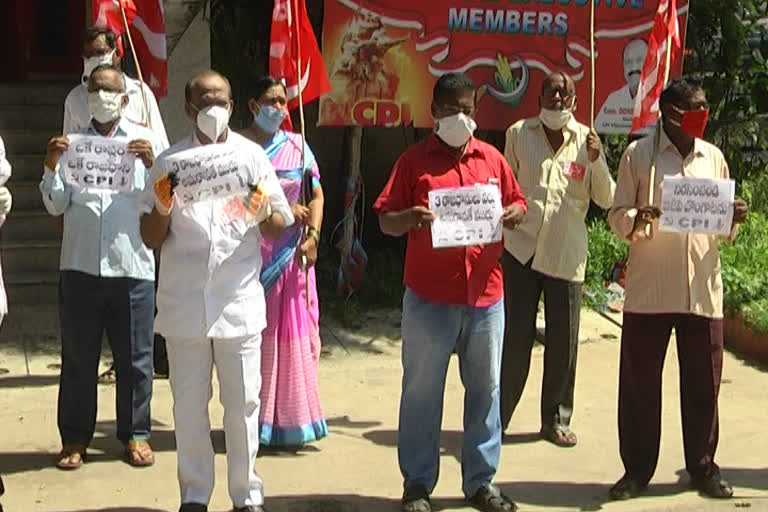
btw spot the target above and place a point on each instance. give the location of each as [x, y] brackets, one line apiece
[697, 205]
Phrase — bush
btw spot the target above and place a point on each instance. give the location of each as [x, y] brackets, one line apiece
[604, 249]
[745, 272]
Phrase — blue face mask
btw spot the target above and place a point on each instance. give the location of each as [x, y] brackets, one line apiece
[269, 118]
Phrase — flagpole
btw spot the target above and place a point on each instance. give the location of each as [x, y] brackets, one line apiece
[592, 62]
[138, 67]
[305, 200]
[659, 127]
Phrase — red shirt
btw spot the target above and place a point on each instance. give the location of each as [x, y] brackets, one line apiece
[458, 275]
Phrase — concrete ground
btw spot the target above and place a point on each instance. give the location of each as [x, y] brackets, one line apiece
[355, 468]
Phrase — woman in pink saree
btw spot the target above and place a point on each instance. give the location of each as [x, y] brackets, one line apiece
[290, 414]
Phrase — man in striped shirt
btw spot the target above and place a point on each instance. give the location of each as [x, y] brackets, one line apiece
[560, 166]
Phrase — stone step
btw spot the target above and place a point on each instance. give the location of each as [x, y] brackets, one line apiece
[26, 195]
[31, 256]
[28, 288]
[27, 141]
[31, 117]
[35, 93]
[26, 226]
[27, 167]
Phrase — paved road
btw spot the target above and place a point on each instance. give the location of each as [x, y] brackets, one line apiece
[355, 469]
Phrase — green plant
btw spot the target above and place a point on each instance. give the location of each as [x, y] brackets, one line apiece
[744, 270]
[604, 250]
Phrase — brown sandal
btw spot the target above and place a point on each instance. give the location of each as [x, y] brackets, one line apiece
[71, 457]
[560, 437]
[139, 454]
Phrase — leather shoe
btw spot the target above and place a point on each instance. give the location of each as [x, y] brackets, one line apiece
[626, 488]
[193, 507]
[489, 498]
[416, 499]
[249, 508]
[714, 487]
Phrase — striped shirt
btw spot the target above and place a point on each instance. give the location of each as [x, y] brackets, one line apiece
[670, 272]
[558, 186]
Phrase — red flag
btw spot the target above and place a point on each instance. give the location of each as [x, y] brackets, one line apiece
[147, 24]
[106, 13]
[654, 73]
[292, 37]
[148, 31]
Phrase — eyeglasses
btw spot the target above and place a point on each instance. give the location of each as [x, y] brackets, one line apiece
[550, 92]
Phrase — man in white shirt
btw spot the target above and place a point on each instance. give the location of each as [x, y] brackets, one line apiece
[100, 47]
[210, 301]
[107, 282]
[616, 114]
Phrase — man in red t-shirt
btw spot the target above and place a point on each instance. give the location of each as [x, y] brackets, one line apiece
[453, 299]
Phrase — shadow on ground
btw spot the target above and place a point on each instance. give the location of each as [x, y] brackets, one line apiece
[348, 503]
[117, 509]
[450, 440]
[586, 496]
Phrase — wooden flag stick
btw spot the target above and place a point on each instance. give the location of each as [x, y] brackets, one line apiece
[138, 66]
[592, 62]
[657, 137]
[652, 178]
[304, 200]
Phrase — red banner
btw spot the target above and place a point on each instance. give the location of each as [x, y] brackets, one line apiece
[383, 57]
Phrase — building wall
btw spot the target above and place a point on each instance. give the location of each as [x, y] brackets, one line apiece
[190, 55]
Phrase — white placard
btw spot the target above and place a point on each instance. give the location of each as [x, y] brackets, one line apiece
[465, 216]
[208, 172]
[99, 162]
[697, 205]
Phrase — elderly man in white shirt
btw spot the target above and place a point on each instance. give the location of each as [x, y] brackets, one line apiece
[100, 47]
[210, 301]
[107, 282]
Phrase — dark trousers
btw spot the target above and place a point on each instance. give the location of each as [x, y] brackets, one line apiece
[644, 341]
[124, 307]
[160, 352]
[562, 309]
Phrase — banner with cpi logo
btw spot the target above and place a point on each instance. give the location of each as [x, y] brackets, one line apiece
[383, 57]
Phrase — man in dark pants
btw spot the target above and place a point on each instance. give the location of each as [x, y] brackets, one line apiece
[560, 166]
[673, 281]
[106, 281]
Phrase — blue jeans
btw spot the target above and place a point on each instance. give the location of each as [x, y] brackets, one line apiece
[431, 332]
[124, 307]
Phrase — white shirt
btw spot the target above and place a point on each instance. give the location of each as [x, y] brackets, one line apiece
[616, 114]
[209, 277]
[5, 174]
[77, 116]
[5, 165]
[101, 227]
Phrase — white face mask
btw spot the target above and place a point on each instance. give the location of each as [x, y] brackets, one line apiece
[212, 121]
[91, 63]
[105, 106]
[455, 130]
[555, 119]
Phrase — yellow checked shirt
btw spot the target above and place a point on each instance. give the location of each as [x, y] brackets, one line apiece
[670, 272]
[558, 186]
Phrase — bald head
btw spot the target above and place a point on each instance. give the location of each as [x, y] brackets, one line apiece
[205, 82]
[558, 92]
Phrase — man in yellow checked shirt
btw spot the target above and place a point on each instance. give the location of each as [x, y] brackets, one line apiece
[210, 301]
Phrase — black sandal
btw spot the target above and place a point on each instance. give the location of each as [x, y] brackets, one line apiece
[416, 499]
[489, 498]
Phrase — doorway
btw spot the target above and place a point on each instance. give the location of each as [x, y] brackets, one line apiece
[41, 37]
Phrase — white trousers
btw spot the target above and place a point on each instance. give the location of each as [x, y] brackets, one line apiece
[238, 367]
